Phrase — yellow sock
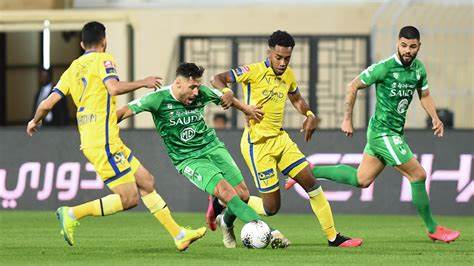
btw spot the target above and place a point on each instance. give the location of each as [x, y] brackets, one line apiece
[100, 207]
[256, 203]
[322, 209]
[158, 208]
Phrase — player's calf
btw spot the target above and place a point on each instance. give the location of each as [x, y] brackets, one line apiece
[129, 199]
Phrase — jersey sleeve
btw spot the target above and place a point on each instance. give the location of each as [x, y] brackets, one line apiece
[373, 74]
[423, 80]
[107, 68]
[293, 85]
[243, 74]
[211, 94]
[150, 103]
[63, 86]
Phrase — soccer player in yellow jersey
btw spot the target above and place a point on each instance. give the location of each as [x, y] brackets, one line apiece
[265, 146]
[92, 82]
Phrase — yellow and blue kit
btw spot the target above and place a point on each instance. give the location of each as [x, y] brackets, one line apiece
[265, 146]
[96, 117]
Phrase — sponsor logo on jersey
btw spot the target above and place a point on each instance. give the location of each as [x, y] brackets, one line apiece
[187, 134]
[86, 119]
[185, 117]
[241, 70]
[402, 90]
[265, 175]
[402, 106]
[272, 95]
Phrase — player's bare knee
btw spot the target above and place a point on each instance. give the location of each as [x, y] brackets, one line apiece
[149, 185]
[419, 175]
[224, 191]
[363, 181]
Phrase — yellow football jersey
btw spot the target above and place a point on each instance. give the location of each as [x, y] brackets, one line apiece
[96, 112]
[263, 87]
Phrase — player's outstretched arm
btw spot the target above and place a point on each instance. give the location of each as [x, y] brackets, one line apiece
[124, 113]
[220, 82]
[430, 107]
[43, 109]
[311, 122]
[351, 94]
[115, 87]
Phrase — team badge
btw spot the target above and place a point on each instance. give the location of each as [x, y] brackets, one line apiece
[396, 75]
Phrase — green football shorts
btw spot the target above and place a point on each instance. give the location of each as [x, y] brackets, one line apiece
[208, 169]
[390, 148]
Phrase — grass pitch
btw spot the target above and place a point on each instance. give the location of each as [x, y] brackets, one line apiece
[138, 239]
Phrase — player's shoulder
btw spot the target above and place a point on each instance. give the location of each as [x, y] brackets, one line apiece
[249, 68]
[387, 62]
[418, 64]
[161, 92]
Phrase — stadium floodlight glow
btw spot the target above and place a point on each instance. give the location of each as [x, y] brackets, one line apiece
[46, 45]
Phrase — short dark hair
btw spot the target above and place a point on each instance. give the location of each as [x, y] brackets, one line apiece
[409, 32]
[189, 70]
[281, 38]
[92, 33]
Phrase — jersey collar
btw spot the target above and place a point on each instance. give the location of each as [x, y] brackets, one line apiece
[270, 69]
[267, 62]
[172, 95]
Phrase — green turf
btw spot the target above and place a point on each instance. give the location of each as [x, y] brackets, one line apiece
[138, 239]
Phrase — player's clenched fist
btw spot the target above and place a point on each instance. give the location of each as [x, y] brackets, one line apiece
[347, 128]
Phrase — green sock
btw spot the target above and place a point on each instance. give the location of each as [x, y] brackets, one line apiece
[340, 173]
[238, 208]
[422, 204]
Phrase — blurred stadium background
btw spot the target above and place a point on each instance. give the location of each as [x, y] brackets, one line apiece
[335, 40]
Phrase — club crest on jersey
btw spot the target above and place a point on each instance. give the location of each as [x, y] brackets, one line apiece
[418, 75]
[241, 70]
[170, 106]
[396, 75]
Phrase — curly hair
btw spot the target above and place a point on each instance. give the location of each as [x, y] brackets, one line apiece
[281, 38]
[189, 70]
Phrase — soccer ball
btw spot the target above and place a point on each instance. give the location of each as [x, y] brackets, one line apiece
[255, 234]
